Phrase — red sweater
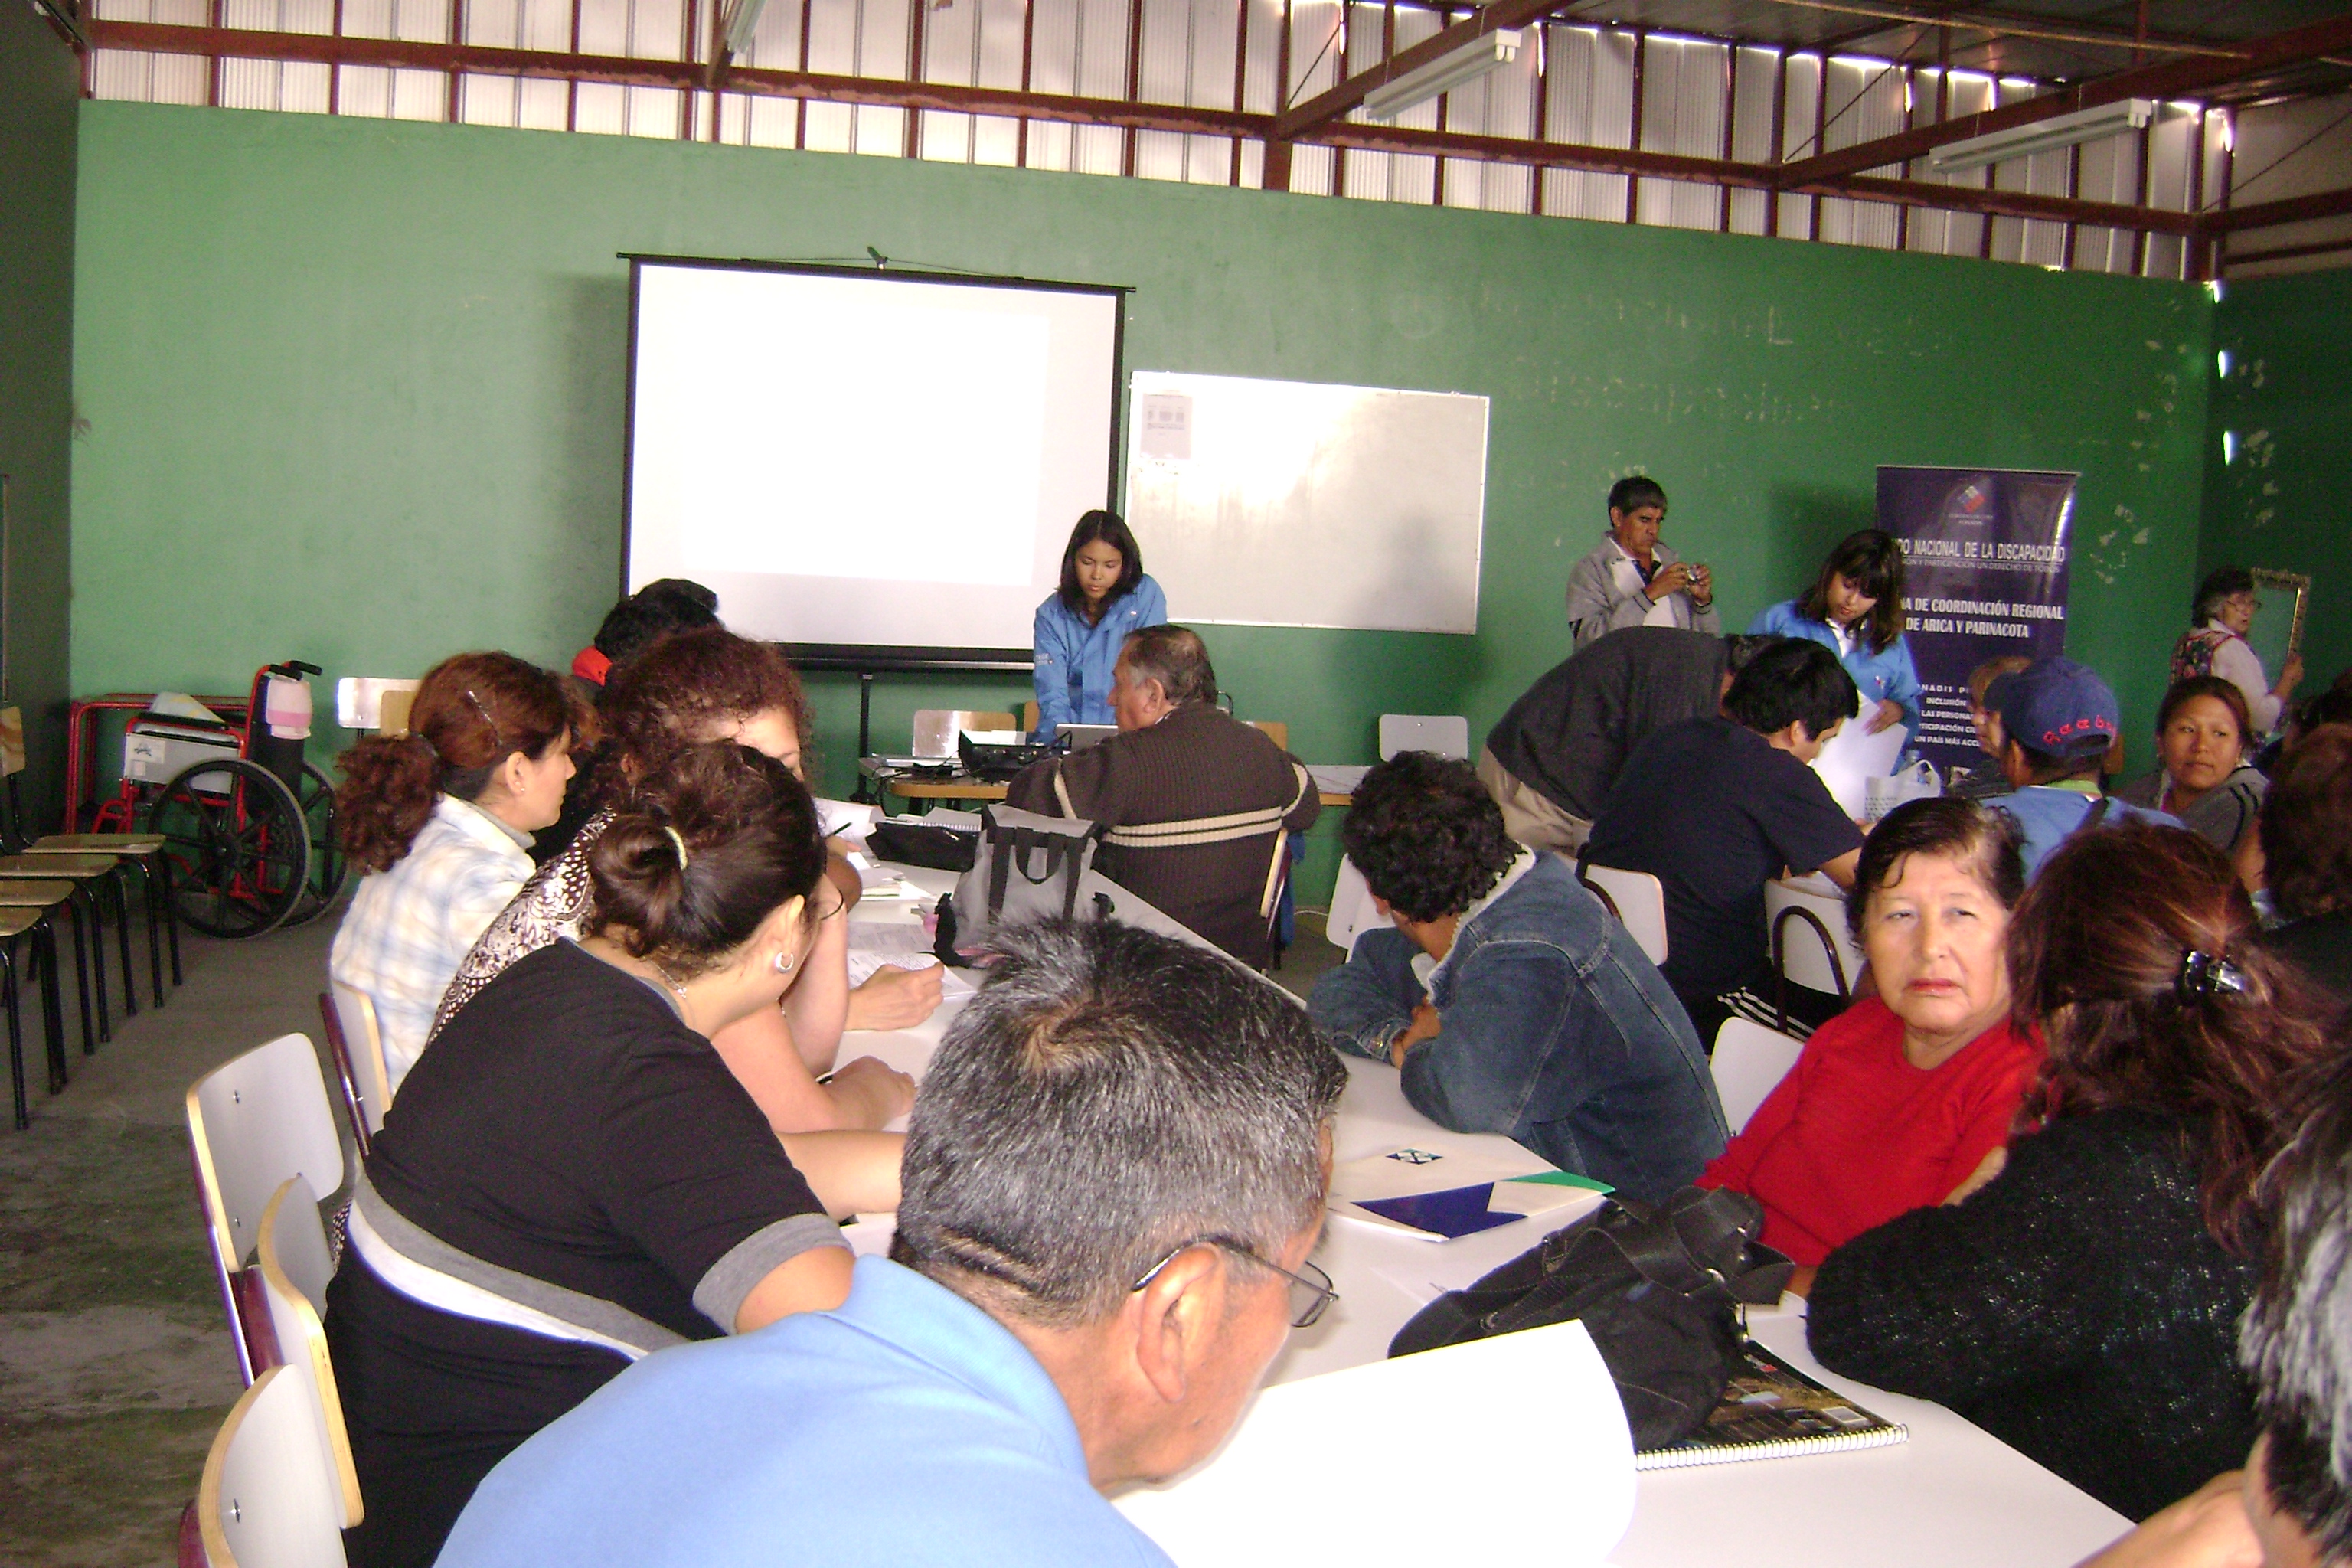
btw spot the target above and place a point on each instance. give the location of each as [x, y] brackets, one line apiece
[1855, 1134]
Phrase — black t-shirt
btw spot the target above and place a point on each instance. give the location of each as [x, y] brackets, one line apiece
[567, 1126]
[1572, 732]
[1714, 810]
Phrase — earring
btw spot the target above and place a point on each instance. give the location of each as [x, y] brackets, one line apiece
[783, 962]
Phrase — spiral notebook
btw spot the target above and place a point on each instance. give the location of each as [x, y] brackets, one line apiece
[1772, 1411]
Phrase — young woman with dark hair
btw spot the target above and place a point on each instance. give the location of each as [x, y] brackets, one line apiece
[1103, 597]
[1856, 608]
[686, 690]
[2202, 776]
[2081, 1301]
[572, 1179]
[1897, 1101]
[441, 818]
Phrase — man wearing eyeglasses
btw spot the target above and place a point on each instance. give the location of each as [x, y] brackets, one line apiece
[1114, 1173]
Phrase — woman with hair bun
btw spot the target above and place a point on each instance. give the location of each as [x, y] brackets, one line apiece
[689, 689]
[2080, 1302]
[572, 1179]
[442, 818]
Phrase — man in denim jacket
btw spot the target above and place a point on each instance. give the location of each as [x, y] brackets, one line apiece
[1510, 999]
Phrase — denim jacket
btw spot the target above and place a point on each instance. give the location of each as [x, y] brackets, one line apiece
[1554, 1030]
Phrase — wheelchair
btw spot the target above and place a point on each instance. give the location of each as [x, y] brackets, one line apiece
[247, 823]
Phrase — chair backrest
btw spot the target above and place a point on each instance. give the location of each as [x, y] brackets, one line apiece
[1352, 914]
[364, 1045]
[252, 1122]
[1277, 730]
[269, 1498]
[294, 1272]
[1637, 898]
[1749, 1062]
[1446, 734]
[936, 728]
[1029, 717]
[1809, 941]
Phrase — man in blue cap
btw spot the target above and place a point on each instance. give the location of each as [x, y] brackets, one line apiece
[2057, 720]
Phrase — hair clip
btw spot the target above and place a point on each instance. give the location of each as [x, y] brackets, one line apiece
[497, 742]
[2204, 975]
[679, 839]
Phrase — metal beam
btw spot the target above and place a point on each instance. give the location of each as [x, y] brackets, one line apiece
[2271, 214]
[2169, 79]
[2003, 25]
[1300, 122]
[683, 75]
[2290, 252]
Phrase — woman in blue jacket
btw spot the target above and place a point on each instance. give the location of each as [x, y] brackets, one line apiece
[1856, 607]
[1104, 596]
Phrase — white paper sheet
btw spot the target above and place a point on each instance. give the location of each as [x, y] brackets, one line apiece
[1851, 756]
[1479, 1470]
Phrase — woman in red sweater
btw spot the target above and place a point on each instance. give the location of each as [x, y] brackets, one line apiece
[1897, 1101]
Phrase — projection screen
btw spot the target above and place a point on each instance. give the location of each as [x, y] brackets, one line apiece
[848, 456]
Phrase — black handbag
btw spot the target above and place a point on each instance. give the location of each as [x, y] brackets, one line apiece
[917, 843]
[1656, 1286]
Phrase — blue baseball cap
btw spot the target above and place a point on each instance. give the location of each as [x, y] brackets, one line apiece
[2056, 706]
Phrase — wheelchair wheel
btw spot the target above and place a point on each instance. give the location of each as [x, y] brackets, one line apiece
[328, 866]
[239, 849]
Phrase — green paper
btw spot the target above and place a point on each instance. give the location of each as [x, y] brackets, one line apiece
[1564, 1179]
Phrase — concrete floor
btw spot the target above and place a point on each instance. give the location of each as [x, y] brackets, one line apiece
[115, 1363]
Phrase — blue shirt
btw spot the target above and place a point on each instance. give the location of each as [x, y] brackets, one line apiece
[1074, 661]
[1887, 675]
[2049, 813]
[907, 1427]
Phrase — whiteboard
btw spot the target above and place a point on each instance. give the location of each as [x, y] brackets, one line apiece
[1288, 503]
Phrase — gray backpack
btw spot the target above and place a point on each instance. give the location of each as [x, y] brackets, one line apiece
[1027, 868]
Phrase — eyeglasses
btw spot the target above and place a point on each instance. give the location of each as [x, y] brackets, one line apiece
[1310, 1293]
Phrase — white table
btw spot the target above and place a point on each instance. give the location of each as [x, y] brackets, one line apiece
[1951, 1496]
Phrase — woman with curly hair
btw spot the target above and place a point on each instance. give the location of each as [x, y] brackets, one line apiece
[1510, 1000]
[689, 690]
[442, 819]
[2081, 1300]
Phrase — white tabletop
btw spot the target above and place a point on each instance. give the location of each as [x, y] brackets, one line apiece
[1950, 1497]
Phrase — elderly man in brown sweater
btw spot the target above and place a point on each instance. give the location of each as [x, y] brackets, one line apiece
[1199, 806]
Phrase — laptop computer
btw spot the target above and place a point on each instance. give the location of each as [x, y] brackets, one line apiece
[1084, 735]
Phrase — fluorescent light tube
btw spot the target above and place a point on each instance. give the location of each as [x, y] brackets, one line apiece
[1472, 60]
[2043, 135]
[740, 24]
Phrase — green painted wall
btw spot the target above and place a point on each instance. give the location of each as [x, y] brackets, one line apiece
[355, 390]
[2286, 501]
[39, 81]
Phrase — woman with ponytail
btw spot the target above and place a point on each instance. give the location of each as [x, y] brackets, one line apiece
[573, 1178]
[441, 818]
[2080, 1299]
[692, 688]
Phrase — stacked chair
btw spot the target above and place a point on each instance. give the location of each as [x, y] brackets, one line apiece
[278, 1485]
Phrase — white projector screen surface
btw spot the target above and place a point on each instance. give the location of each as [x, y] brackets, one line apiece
[1286, 503]
[873, 459]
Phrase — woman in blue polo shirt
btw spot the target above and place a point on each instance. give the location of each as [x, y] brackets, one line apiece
[1102, 597]
[1856, 608]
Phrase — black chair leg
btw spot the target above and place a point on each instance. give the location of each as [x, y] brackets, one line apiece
[122, 887]
[81, 981]
[15, 1035]
[86, 913]
[154, 923]
[53, 1009]
[171, 914]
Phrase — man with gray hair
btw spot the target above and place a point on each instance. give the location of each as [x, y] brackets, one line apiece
[2291, 1507]
[1115, 1170]
[1199, 807]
